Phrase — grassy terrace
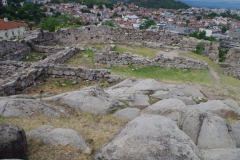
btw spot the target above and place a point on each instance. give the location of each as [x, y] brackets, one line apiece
[143, 51]
[166, 75]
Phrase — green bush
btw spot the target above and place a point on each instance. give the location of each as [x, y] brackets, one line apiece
[200, 49]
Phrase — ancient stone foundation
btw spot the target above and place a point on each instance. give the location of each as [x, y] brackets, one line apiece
[210, 48]
[108, 56]
[13, 50]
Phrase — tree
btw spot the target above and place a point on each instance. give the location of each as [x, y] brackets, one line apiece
[147, 23]
[109, 23]
[224, 29]
[49, 24]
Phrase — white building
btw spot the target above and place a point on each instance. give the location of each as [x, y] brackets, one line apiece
[10, 29]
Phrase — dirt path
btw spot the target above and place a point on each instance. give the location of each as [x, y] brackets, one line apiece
[170, 54]
[215, 75]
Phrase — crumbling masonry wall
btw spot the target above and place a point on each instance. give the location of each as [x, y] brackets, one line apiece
[13, 50]
[108, 56]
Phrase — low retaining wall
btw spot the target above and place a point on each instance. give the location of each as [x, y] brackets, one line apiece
[48, 50]
[232, 71]
[27, 73]
[62, 56]
[106, 56]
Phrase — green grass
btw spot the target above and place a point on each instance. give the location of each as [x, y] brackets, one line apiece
[33, 57]
[143, 51]
[79, 59]
[199, 57]
[166, 75]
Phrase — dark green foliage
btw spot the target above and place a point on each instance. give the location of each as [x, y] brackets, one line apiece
[222, 54]
[147, 23]
[224, 29]
[202, 35]
[28, 12]
[226, 14]
[63, 21]
[109, 23]
[115, 15]
[169, 4]
[200, 49]
[49, 24]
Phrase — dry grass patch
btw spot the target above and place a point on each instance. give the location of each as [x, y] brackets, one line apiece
[53, 86]
[96, 129]
[232, 120]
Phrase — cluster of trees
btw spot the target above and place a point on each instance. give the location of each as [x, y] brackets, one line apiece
[169, 4]
[202, 35]
[146, 24]
[89, 3]
[29, 12]
[61, 21]
[226, 14]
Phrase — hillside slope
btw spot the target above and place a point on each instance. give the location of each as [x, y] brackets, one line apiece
[169, 4]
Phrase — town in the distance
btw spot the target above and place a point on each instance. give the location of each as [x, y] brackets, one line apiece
[219, 24]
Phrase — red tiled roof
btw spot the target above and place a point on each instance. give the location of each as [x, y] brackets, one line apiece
[10, 24]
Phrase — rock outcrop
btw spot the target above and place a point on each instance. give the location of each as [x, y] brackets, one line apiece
[150, 137]
[88, 100]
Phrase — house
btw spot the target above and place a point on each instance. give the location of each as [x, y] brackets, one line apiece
[10, 29]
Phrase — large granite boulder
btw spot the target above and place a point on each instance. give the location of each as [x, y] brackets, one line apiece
[88, 100]
[232, 104]
[236, 133]
[214, 133]
[220, 154]
[171, 108]
[192, 123]
[59, 136]
[217, 107]
[127, 113]
[13, 144]
[11, 107]
[150, 137]
[190, 91]
[140, 101]
[126, 90]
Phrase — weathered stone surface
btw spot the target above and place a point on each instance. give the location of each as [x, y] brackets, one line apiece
[10, 107]
[127, 113]
[214, 133]
[88, 100]
[140, 101]
[236, 133]
[217, 107]
[192, 123]
[171, 108]
[186, 100]
[64, 136]
[13, 144]
[150, 137]
[162, 94]
[39, 133]
[191, 91]
[147, 85]
[232, 104]
[220, 154]
[124, 83]
[59, 136]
